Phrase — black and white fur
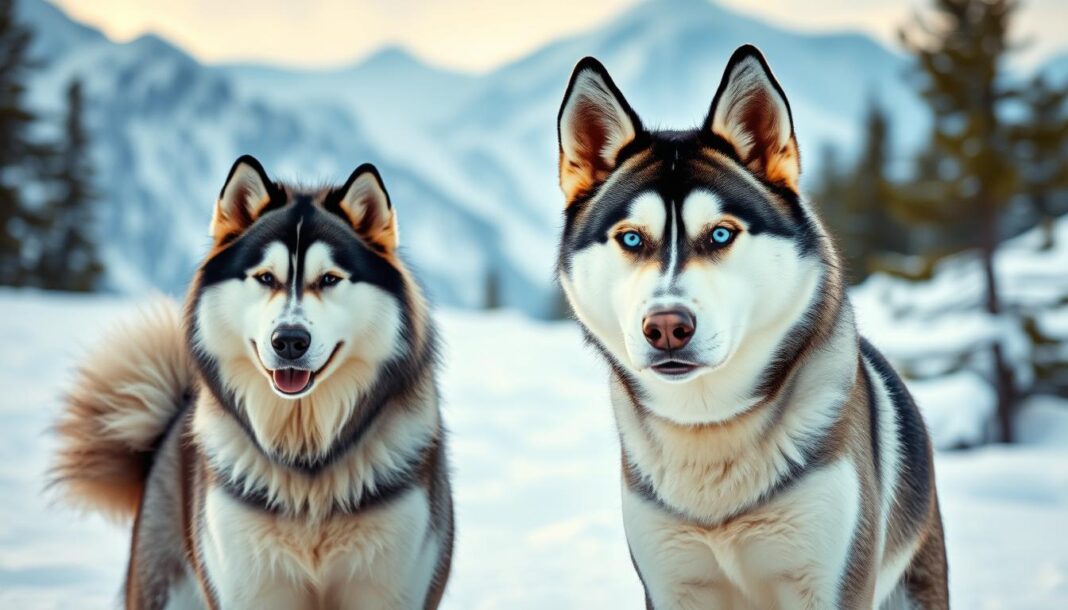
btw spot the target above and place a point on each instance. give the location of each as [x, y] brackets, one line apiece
[260, 475]
[771, 457]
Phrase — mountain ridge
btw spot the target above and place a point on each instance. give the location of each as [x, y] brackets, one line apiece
[473, 154]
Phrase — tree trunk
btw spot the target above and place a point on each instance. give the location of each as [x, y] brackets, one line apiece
[1046, 220]
[1004, 382]
[1048, 224]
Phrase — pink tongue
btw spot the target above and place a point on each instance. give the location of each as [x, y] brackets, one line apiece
[291, 381]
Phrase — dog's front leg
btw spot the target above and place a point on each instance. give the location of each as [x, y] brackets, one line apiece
[808, 548]
[245, 558]
[390, 560]
[676, 568]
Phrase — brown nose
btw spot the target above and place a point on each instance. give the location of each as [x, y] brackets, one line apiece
[668, 330]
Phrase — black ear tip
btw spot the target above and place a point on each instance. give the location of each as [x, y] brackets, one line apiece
[590, 67]
[365, 168]
[248, 161]
[370, 169]
[748, 52]
[588, 64]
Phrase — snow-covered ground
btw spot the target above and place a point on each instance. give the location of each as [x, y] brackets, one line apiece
[535, 458]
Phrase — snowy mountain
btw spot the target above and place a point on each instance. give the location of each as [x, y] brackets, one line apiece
[57, 35]
[667, 57]
[166, 129]
[470, 160]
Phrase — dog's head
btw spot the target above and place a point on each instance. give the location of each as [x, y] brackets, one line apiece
[302, 297]
[684, 252]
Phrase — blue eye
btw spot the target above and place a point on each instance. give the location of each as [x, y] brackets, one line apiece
[631, 240]
[722, 236]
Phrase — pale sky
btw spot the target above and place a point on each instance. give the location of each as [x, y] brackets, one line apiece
[465, 34]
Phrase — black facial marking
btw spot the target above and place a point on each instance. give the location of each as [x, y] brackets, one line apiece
[362, 262]
[611, 208]
[676, 164]
[398, 377]
[666, 243]
[297, 258]
[684, 248]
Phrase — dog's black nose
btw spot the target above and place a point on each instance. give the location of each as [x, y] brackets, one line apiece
[290, 342]
[668, 330]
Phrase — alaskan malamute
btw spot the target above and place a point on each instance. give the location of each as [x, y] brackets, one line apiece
[280, 445]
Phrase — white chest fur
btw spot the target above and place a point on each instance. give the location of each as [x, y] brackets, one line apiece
[787, 553]
[380, 558]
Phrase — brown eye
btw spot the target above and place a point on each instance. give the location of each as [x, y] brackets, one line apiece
[266, 278]
[329, 280]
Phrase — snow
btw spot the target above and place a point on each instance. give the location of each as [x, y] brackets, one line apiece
[535, 458]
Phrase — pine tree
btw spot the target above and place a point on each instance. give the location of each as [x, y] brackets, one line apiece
[870, 195]
[960, 54]
[69, 261]
[1043, 152]
[830, 194]
[856, 202]
[20, 158]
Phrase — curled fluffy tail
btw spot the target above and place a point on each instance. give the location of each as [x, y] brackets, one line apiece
[125, 396]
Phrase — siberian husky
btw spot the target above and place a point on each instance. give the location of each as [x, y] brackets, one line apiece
[771, 458]
[280, 445]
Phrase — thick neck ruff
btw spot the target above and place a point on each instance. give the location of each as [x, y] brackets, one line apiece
[373, 469]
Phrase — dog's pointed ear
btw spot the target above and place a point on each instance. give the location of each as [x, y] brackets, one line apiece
[594, 124]
[245, 194]
[365, 204]
[750, 112]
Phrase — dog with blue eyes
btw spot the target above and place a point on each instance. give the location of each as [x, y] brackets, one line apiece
[771, 458]
[280, 445]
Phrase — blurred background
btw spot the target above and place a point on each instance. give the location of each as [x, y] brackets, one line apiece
[934, 140]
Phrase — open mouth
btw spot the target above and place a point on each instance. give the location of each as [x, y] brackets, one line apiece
[675, 368]
[293, 381]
